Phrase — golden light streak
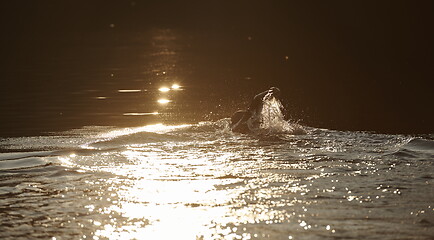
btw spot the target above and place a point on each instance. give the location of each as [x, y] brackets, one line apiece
[163, 101]
[129, 90]
[164, 89]
[175, 86]
[140, 114]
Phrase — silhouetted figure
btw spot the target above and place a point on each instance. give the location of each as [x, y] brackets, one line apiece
[239, 119]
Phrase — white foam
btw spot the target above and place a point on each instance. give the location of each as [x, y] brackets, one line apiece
[272, 121]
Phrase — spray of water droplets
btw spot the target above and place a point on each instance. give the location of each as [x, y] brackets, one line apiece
[271, 120]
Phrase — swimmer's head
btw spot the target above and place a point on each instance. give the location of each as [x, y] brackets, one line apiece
[274, 91]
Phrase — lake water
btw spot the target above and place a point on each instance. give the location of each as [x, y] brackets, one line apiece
[202, 181]
[113, 135]
[125, 78]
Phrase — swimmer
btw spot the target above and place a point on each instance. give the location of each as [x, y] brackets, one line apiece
[239, 119]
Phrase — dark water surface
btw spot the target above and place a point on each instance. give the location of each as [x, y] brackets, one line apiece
[92, 81]
[339, 65]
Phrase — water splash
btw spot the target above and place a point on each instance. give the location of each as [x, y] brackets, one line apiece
[271, 121]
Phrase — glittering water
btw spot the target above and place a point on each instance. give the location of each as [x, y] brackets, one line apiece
[201, 181]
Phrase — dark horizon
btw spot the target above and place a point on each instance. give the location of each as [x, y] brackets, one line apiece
[341, 65]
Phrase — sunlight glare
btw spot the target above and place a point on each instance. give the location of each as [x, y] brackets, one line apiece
[163, 101]
[140, 114]
[164, 89]
[129, 90]
[155, 128]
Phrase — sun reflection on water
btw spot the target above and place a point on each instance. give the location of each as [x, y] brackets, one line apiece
[164, 89]
[188, 189]
[175, 86]
[163, 101]
[168, 191]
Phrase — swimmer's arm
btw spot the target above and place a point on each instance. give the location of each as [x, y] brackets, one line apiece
[241, 125]
[257, 101]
